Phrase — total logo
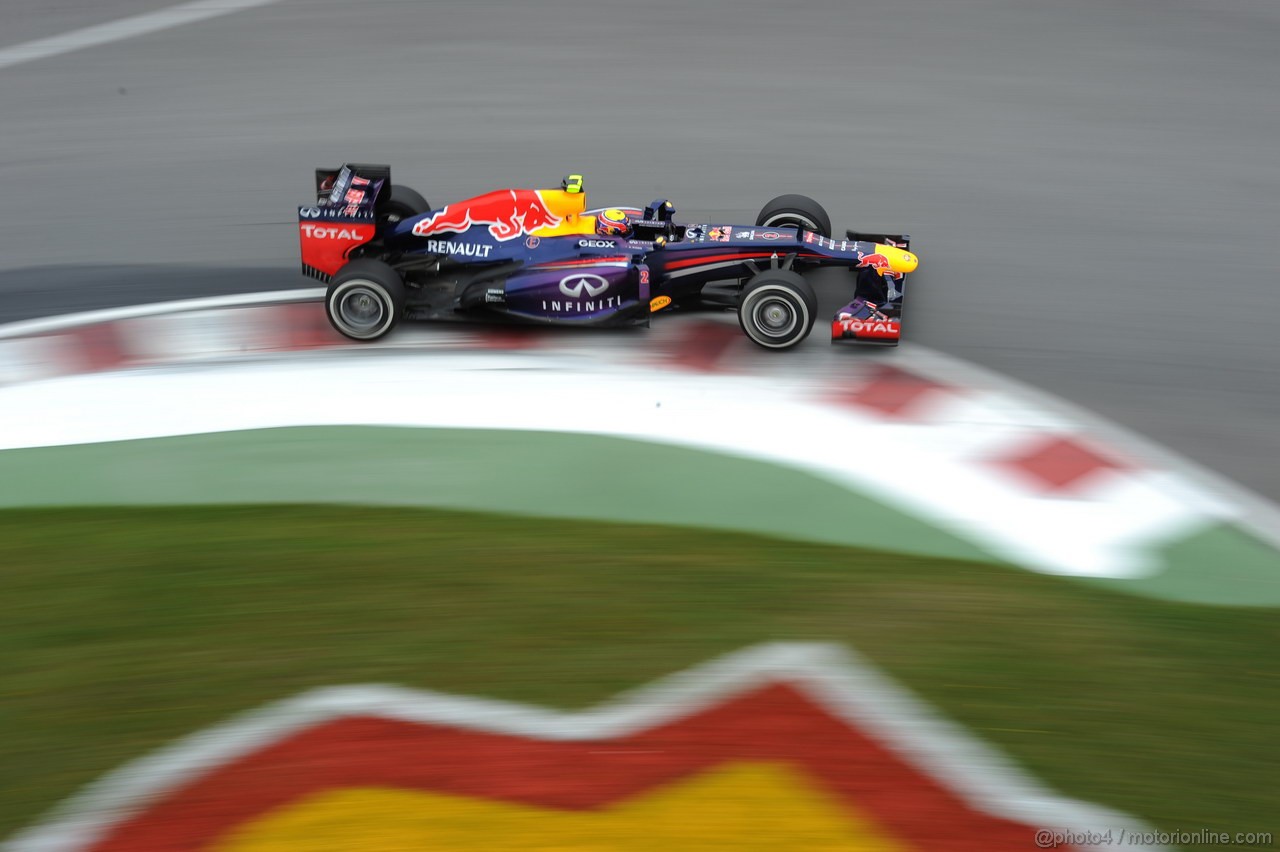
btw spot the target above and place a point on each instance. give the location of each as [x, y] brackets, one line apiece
[583, 283]
[882, 327]
[325, 232]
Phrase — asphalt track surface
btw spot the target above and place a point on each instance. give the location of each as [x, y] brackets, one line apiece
[1093, 186]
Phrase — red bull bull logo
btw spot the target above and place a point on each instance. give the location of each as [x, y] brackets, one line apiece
[783, 746]
[880, 264]
[888, 261]
[509, 213]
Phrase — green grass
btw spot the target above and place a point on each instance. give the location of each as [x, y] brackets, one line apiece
[125, 628]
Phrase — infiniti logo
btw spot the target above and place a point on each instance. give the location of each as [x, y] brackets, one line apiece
[574, 285]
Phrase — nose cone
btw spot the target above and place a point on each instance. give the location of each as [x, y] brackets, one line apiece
[899, 260]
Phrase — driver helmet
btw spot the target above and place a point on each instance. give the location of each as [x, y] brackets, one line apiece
[612, 223]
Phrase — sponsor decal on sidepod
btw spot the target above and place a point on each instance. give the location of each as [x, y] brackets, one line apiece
[582, 288]
[574, 285]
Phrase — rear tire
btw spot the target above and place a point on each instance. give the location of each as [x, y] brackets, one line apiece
[403, 203]
[798, 211]
[777, 309]
[365, 300]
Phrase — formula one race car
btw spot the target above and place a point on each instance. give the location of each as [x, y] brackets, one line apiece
[541, 256]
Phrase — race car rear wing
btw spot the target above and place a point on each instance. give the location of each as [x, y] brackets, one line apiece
[875, 314]
[345, 216]
[371, 182]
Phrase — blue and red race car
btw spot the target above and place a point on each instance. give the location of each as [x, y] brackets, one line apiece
[542, 256]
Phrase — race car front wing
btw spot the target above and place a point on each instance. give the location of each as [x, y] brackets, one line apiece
[875, 314]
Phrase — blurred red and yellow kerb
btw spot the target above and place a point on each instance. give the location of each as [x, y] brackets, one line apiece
[769, 768]
[741, 806]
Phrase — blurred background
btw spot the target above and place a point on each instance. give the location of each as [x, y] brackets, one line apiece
[1093, 189]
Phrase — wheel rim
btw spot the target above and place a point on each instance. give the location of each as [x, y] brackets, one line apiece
[791, 219]
[361, 310]
[774, 317]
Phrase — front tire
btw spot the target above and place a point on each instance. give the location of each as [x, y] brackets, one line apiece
[777, 309]
[365, 300]
[799, 211]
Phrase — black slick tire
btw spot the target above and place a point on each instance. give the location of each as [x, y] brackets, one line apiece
[403, 203]
[777, 309]
[365, 300]
[798, 211]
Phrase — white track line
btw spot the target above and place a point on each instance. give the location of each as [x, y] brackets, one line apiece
[118, 30]
[26, 328]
